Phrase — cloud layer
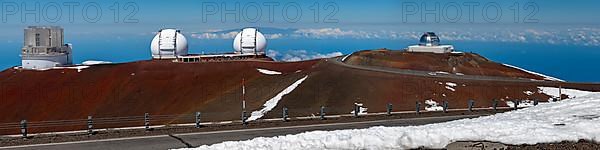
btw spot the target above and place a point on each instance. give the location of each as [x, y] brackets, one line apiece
[583, 36]
[299, 55]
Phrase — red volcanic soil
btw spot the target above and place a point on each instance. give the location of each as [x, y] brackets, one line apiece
[214, 88]
[465, 63]
[131, 89]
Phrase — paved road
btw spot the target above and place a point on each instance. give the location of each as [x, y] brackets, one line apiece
[203, 138]
[338, 61]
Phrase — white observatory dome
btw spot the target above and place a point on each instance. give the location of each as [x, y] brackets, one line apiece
[250, 41]
[429, 39]
[168, 44]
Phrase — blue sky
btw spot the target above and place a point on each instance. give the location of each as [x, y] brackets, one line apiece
[154, 14]
[340, 26]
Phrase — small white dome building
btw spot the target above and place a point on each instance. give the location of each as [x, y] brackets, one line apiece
[250, 41]
[430, 43]
[169, 44]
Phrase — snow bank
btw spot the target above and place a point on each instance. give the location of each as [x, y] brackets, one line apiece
[535, 73]
[95, 62]
[547, 122]
[268, 72]
[271, 103]
[572, 93]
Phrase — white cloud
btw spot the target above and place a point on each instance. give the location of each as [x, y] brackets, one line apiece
[326, 32]
[211, 35]
[273, 36]
[299, 55]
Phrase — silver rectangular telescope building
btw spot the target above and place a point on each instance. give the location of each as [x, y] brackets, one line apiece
[44, 48]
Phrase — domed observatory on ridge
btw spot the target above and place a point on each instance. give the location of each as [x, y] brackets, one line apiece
[249, 42]
[169, 44]
[44, 48]
[430, 43]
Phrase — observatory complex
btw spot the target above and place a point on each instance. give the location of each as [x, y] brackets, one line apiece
[430, 43]
[171, 44]
[44, 48]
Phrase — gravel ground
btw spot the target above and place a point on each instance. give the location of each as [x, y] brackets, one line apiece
[565, 145]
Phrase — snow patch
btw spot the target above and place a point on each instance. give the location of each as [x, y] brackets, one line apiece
[433, 105]
[268, 72]
[535, 73]
[361, 110]
[528, 93]
[545, 123]
[450, 88]
[438, 72]
[522, 103]
[451, 84]
[271, 103]
[79, 68]
[344, 59]
[95, 62]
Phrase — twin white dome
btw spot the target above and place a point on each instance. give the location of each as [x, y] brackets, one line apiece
[249, 41]
[169, 44]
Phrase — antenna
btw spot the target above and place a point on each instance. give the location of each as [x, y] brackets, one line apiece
[243, 102]
[243, 94]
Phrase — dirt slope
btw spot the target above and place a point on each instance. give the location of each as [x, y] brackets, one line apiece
[465, 63]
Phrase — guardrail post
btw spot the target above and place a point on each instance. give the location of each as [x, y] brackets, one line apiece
[471, 103]
[197, 116]
[90, 125]
[24, 128]
[418, 108]
[495, 105]
[147, 121]
[516, 104]
[356, 110]
[389, 109]
[244, 118]
[285, 114]
[536, 102]
[445, 106]
[322, 113]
